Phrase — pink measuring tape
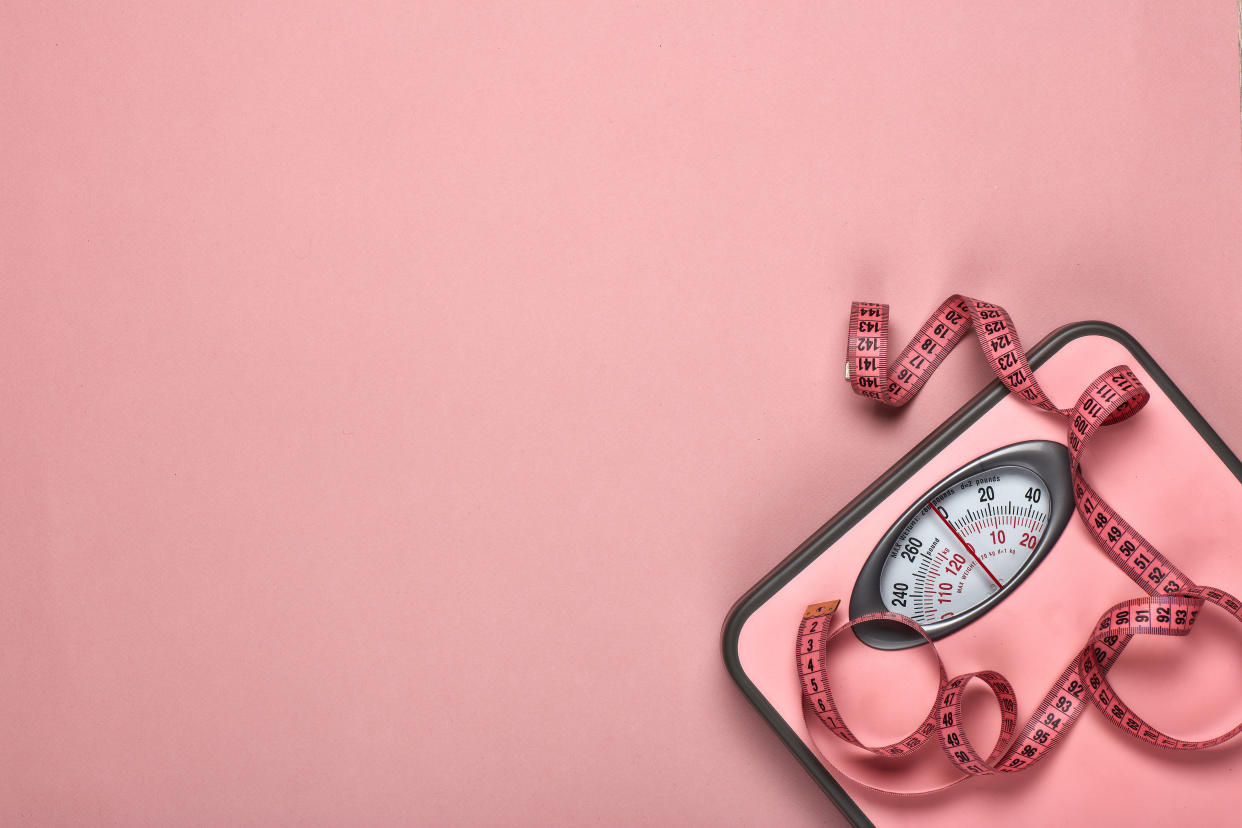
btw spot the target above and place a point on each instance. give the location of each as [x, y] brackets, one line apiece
[1170, 607]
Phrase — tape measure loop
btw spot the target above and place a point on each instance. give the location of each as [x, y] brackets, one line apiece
[951, 725]
[814, 639]
[1167, 615]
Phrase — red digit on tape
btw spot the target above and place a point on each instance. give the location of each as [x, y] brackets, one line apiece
[1170, 607]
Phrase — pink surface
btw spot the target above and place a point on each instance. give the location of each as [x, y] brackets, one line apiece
[397, 397]
[1156, 466]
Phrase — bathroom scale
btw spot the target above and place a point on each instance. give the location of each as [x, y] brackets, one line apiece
[1176, 482]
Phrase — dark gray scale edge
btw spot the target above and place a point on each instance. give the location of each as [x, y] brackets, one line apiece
[1047, 460]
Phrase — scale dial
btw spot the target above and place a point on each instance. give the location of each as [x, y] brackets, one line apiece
[966, 543]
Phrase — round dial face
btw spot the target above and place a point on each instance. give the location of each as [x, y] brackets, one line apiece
[965, 544]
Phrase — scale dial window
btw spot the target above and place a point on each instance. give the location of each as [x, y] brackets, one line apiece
[965, 544]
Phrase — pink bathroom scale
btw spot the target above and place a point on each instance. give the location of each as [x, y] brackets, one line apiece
[1165, 470]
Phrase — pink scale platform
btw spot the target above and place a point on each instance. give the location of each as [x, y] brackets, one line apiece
[1172, 478]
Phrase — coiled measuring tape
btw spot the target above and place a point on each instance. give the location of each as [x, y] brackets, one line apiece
[1172, 603]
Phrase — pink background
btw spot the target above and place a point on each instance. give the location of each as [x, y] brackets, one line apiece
[398, 396]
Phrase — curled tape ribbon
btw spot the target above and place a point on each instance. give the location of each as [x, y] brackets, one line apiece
[1170, 607]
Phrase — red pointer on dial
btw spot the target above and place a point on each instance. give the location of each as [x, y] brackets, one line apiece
[969, 549]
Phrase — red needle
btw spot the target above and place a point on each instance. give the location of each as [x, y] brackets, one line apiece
[960, 540]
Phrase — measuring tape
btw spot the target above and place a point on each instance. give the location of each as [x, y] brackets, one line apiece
[1173, 601]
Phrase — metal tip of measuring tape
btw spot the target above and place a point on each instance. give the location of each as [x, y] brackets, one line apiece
[847, 370]
[822, 608]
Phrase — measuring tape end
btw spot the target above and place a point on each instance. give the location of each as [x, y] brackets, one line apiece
[821, 609]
